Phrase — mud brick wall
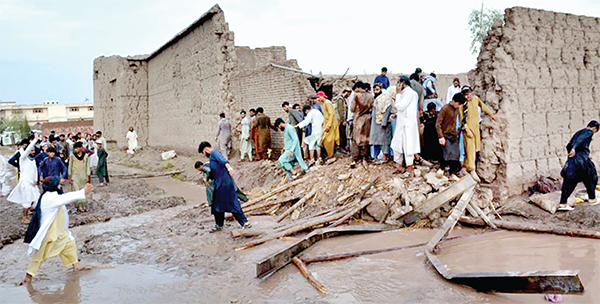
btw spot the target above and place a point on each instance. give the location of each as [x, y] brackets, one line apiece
[540, 71]
[173, 97]
[257, 84]
[121, 98]
[187, 85]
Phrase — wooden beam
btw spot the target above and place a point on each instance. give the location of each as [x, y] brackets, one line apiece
[438, 200]
[533, 227]
[274, 192]
[281, 258]
[458, 210]
[306, 273]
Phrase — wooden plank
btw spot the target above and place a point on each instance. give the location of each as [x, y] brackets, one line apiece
[278, 260]
[480, 213]
[274, 192]
[438, 200]
[458, 210]
[296, 205]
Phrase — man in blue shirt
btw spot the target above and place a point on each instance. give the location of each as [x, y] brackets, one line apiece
[385, 82]
[52, 166]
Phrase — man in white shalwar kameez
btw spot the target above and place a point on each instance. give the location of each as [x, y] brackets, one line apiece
[454, 88]
[406, 143]
[245, 144]
[132, 141]
[26, 193]
[53, 237]
[315, 119]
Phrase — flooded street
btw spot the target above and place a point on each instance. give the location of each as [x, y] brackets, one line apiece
[169, 256]
[392, 277]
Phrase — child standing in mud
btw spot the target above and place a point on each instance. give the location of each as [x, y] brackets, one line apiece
[48, 234]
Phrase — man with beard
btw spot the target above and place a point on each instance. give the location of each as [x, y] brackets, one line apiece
[362, 104]
[406, 142]
[381, 132]
[224, 193]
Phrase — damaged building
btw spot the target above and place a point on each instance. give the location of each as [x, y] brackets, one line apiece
[176, 93]
[540, 70]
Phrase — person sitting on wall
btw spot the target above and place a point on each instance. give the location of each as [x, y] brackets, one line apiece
[579, 167]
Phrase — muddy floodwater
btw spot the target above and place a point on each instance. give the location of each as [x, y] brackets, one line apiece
[392, 277]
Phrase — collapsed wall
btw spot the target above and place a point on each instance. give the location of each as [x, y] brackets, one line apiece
[540, 71]
[173, 96]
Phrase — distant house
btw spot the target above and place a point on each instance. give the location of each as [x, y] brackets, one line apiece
[49, 111]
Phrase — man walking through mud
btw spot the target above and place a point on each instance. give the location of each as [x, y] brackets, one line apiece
[224, 194]
[579, 167]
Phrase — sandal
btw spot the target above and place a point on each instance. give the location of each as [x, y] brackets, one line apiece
[564, 208]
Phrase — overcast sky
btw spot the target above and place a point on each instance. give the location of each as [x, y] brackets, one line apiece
[47, 47]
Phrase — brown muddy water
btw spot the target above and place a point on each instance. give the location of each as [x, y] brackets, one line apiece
[393, 277]
[142, 261]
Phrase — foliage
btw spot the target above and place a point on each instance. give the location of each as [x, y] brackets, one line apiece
[18, 124]
[480, 22]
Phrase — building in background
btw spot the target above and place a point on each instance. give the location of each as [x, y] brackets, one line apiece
[63, 117]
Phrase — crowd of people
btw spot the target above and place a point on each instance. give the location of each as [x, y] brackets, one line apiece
[405, 122]
[71, 158]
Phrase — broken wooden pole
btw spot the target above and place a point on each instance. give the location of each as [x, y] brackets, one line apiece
[296, 205]
[306, 273]
[278, 260]
[343, 256]
[532, 227]
[146, 175]
[481, 214]
[274, 192]
[352, 212]
[313, 222]
[458, 210]
[438, 200]
[270, 204]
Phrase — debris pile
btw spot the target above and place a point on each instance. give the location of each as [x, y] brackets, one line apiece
[334, 194]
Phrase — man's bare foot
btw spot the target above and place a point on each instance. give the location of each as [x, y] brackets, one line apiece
[78, 267]
[25, 220]
[27, 280]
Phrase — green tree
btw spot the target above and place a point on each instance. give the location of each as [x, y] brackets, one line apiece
[480, 23]
[17, 124]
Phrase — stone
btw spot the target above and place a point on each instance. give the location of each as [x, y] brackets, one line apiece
[435, 180]
[414, 198]
[377, 209]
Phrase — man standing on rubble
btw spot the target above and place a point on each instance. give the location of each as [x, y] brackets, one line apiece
[315, 119]
[470, 116]
[406, 141]
[431, 95]
[579, 167]
[331, 131]
[291, 148]
[263, 134]
[449, 127]
[341, 109]
[294, 117]
[362, 104]
[382, 79]
[224, 193]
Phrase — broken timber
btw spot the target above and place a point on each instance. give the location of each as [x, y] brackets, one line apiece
[438, 200]
[529, 227]
[562, 281]
[306, 273]
[146, 175]
[278, 260]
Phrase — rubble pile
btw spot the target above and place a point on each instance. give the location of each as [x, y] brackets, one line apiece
[334, 193]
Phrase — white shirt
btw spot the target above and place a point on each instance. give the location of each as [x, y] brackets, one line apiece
[451, 91]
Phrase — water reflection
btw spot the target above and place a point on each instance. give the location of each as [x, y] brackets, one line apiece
[70, 293]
